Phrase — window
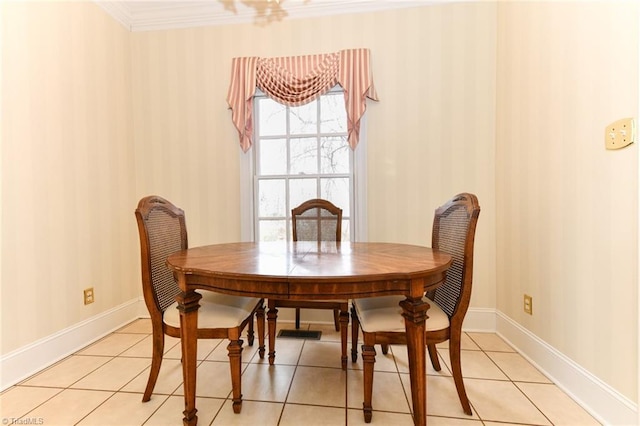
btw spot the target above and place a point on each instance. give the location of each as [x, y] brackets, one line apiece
[301, 153]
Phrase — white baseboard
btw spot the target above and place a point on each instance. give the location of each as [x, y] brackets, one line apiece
[603, 402]
[28, 360]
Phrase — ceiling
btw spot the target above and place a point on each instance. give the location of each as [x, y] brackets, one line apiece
[146, 15]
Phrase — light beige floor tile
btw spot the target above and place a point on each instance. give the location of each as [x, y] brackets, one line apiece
[144, 348]
[170, 412]
[557, 405]
[169, 379]
[142, 325]
[502, 401]
[287, 352]
[295, 415]
[503, 424]
[356, 418]
[442, 397]
[490, 342]
[69, 406]
[123, 409]
[17, 401]
[448, 421]
[318, 386]
[321, 354]
[475, 364]
[267, 383]
[466, 343]
[205, 347]
[68, 371]
[517, 368]
[402, 361]
[329, 333]
[113, 344]
[253, 413]
[213, 380]
[388, 393]
[113, 375]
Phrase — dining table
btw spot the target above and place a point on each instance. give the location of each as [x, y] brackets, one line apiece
[316, 271]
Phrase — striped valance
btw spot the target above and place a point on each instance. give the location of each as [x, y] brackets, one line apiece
[297, 80]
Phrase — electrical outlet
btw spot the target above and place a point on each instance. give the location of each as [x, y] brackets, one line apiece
[88, 296]
[528, 304]
[620, 133]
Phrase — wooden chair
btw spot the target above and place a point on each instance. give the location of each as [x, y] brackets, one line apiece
[314, 220]
[380, 318]
[162, 230]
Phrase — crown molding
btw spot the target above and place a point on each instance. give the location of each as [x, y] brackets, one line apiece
[161, 15]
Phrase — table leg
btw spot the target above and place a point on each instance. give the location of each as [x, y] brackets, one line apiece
[344, 326]
[414, 311]
[272, 315]
[188, 306]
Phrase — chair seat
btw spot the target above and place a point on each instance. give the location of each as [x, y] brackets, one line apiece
[216, 311]
[384, 314]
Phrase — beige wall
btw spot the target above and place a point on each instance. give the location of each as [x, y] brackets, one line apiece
[67, 168]
[567, 208]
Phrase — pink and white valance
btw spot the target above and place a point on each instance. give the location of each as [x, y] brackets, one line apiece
[297, 80]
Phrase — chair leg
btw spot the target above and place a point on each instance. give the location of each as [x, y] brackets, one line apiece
[368, 359]
[456, 369]
[260, 321]
[336, 319]
[297, 318]
[156, 361]
[250, 333]
[344, 330]
[433, 355]
[355, 328]
[235, 361]
[272, 316]
[385, 348]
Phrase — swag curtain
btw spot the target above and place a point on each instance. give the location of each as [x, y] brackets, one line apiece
[297, 80]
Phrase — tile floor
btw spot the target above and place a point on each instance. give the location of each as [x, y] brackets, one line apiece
[103, 384]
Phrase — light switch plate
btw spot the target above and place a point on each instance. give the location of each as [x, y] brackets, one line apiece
[620, 133]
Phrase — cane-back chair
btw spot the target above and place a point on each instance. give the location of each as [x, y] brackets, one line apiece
[162, 230]
[314, 220]
[380, 318]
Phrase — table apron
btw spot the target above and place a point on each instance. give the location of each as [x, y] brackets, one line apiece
[307, 288]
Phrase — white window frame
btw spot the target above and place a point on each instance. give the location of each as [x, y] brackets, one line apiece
[358, 216]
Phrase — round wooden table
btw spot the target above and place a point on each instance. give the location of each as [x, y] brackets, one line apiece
[310, 270]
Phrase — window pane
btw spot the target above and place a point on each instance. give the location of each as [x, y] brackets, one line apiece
[273, 157]
[336, 190]
[333, 115]
[346, 232]
[301, 153]
[301, 190]
[334, 155]
[273, 118]
[304, 119]
[272, 198]
[304, 156]
[273, 230]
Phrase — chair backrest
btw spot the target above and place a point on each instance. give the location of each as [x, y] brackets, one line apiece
[163, 231]
[317, 220]
[454, 228]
